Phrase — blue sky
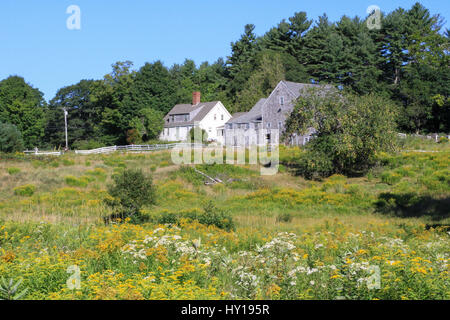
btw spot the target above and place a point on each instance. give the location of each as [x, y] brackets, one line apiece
[36, 44]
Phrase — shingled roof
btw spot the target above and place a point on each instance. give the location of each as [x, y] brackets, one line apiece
[201, 110]
[252, 115]
[298, 88]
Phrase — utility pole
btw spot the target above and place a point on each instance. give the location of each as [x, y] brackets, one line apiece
[65, 122]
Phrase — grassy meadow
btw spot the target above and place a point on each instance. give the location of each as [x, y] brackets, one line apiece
[280, 236]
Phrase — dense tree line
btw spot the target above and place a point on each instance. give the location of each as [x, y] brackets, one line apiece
[405, 62]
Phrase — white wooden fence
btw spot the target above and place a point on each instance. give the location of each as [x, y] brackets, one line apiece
[129, 148]
[43, 153]
[138, 148]
[435, 137]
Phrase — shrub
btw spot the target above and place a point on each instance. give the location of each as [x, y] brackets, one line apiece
[350, 130]
[13, 171]
[76, 182]
[390, 178]
[197, 135]
[97, 172]
[443, 140]
[284, 217]
[68, 162]
[130, 191]
[54, 164]
[213, 216]
[25, 190]
[10, 138]
[210, 216]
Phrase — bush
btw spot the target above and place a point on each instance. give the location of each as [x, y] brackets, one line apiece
[25, 190]
[350, 130]
[10, 138]
[68, 162]
[284, 217]
[99, 173]
[197, 135]
[130, 191]
[210, 216]
[390, 178]
[54, 164]
[13, 171]
[213, 216]
[76, 182]
[443, 140]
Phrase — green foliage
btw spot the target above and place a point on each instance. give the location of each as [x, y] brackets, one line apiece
[147, 126]
[25, 190]
[130, 191]
[284, 217]
[68, 162]
[10, 138]
[214, 216]
[261, 83]
[443, 140]
[10, 290]
[350, 131]
[99, 173]
[76, 182]
[198, 135]
[13, 170]
[390, 178]
[209, 216]
[84, 114]
[23, 106]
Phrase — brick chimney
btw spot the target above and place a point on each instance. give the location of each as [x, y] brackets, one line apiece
[196, 98]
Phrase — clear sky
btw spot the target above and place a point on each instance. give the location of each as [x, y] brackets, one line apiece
[36, 44]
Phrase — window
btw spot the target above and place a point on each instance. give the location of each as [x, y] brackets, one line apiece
[186, 117]
[280, 125]
[268, 125]
[221, 117]
[281, 101]
[209, 129]
[247, 126]
[215, 117]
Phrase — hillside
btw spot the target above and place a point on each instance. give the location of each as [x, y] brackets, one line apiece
[292, 238]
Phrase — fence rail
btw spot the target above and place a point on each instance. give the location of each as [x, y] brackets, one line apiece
[434, 136]
[138, 148]
[43, 153]
[129, 148]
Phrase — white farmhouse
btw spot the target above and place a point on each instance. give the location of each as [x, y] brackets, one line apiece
[210, 116]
